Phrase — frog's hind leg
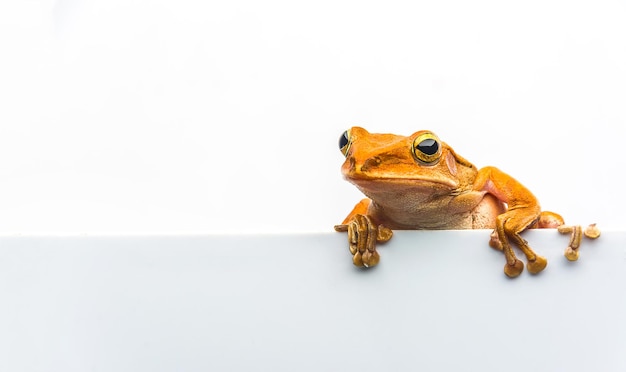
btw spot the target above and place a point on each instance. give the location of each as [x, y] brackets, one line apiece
[513, 266]
[509, 225]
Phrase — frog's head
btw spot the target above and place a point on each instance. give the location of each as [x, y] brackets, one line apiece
[419, 163]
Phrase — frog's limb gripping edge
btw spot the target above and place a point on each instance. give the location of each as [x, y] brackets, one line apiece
[363, 235]
[591, 232]
[509, 225]
[571, 252]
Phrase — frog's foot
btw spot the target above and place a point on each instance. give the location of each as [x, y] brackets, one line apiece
[363, 235]
[537, 265]
[576, 235]
[513, 270]
[509, 225]
[571, 254]
[494, 241]
[592, 231]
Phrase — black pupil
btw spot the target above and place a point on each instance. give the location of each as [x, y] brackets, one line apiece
[343, 140]
[428, 146]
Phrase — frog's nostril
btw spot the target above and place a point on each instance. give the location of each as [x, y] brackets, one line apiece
[371, 163]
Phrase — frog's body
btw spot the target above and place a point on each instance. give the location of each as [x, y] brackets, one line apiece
[419, 182]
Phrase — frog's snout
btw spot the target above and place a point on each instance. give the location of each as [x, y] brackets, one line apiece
[351, 164]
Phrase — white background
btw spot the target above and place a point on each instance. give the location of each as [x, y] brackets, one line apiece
[182, 116]
[125, 116]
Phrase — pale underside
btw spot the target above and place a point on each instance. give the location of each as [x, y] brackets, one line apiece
[428, 205]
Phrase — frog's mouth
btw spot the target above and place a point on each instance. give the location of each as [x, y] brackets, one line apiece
[391, 191]
[413, 183]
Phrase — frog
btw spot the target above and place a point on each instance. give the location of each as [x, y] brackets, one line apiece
[419, 182]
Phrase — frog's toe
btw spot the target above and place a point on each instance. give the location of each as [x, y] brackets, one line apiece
[370, 258]
[362, 237]
[384, 234]
[353, 249]
[357, 259]
[571, 254]
[494, 241]
[592, 231]
[515, 269]
[537, 265]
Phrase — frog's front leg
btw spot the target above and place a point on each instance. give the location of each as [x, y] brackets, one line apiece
[523, 211]
[363, 234]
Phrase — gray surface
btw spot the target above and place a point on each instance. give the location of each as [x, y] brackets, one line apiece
[438, 302]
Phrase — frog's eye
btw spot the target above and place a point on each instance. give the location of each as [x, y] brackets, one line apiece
[427, 148]
[344, 143]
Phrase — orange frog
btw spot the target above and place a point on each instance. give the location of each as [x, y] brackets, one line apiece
[419, 182]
